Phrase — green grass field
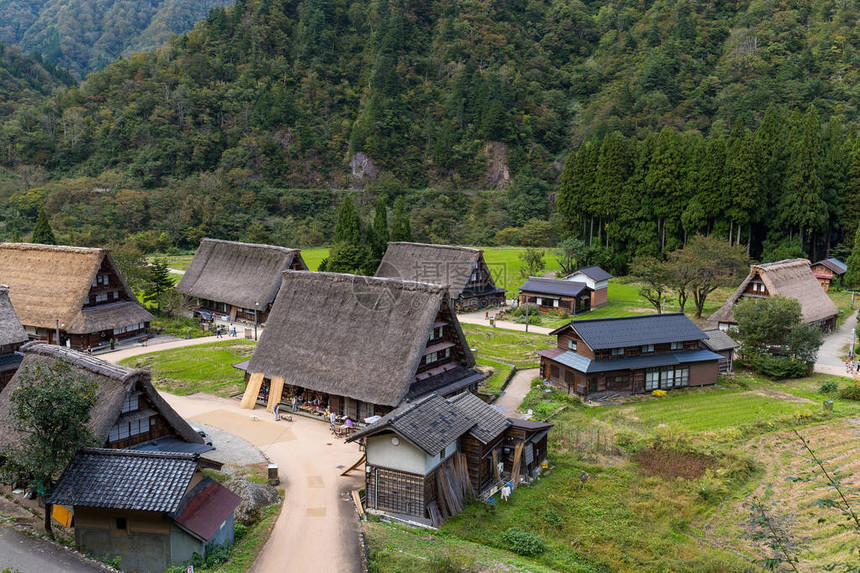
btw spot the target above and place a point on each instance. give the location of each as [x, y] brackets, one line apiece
[511, 347]
[501, 372]
[205, 368]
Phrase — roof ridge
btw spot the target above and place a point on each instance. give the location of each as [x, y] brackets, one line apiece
[139, 454]
[255, 245]
[435, 246]
[783, 263]
[612, 318]
[58, 248]
[374, 281]
[91, 363]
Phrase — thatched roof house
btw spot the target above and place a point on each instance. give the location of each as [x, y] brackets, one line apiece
[463, 270]
[12, 336]
[233, 278]
[128, 410]
[791, 278]
[360, 345]
[74, 289]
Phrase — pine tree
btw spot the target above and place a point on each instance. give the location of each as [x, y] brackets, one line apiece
[401, 230]
[802, 209]
[42, 232]
[742, 183]
[348, 226]
[159, 282]
[852, 277]
[380, 230]
[665, 183]
[851, 198]
[613, 169]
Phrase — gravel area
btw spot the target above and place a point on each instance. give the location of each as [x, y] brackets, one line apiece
[230, 449]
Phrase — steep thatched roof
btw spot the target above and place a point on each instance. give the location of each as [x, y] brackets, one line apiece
[49, 283]
[11, 331]
[434, 264]
[353, 336]
[113, 383]
[239, 274]
[791, 278]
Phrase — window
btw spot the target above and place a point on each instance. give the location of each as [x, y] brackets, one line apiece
[652, 379]
[130, 403]
[442, 454]
[677, 346]
[667, 377]
[682, 376]
[101, 298]
[121, 523]
[647, 348]
[553, 371]
[436, 333]
[617, 352]
[571, 344]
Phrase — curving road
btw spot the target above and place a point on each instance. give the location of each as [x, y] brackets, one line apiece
[30, 555]
[831, 355]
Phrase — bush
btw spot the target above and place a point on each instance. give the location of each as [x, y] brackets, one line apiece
[850, 393]
[828, 387]
[449, 564]
[779, 367]
[658, 393]
[523, 543]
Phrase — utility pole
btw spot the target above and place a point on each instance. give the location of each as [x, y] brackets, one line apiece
[58, 332]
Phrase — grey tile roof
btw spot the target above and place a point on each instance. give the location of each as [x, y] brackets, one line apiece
[835, 265]
[489, 421]
[605, 333]
[555, 287]
[431, 423]
[125, 479]
[595, 273]
[719, 340]
[582, 364]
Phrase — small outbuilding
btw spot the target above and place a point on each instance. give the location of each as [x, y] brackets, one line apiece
[721, 343]
[151, 509]
[554, 295]
[595, 279]
[238, 280]
[12, 336]
[427, 457]
[791, 278]
[461, 269]
[828, 270]
[74, 292]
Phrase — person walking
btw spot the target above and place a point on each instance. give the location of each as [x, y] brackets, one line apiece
[277, 416]
[294, 404]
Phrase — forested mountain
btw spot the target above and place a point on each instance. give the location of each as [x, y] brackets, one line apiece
[26, 80]
[662, 102]
[87, 35]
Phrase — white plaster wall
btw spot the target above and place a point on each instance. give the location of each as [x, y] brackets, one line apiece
[404, 457]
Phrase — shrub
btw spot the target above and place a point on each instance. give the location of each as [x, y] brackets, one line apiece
[850, 393]
[522, 542]
[658, 393]
[239, 532]
[449, 564]
[779, 367]
[828, 387]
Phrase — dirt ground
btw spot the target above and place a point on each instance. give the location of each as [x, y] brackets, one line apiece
[317, 530]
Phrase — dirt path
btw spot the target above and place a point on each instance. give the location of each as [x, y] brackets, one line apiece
[830, 355]
[480, 319]
[317, 530]
[516, 391]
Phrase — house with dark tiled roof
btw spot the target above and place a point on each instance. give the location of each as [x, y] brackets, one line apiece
[827, 271]
[629, 355]
[556, 295]
[721, 343]
[426, 457]
[151, 509]
[596, 279]
[12, 336]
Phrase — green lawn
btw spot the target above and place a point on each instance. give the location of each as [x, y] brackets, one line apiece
[205, 368]
[314, 256]
[511, 347]
[501, 372]
[504, 264]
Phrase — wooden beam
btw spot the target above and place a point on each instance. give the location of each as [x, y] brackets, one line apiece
[276, 390]
[354, 466]
[249, 399]
[357, 501]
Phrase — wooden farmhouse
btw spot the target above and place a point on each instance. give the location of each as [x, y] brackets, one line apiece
[629, 355]
[74, 291]
[555, 295]
[463, 270]
[150, 509]
[129, 412]
[12, 336]
[828, 270]
[792, 278]
[721, 343]
[427, 456]
[234, 279]
[595, 279]
[358, 346]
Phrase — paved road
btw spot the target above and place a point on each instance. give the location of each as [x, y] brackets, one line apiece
[317, 530]
[479, 319]
[516, 391]
[31, 555]
[831, 357]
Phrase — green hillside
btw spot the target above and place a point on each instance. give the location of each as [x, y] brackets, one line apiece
[87, 35]
[25, 80]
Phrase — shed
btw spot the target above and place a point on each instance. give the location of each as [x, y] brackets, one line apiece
[721, 343]
[595, 279]
[556, 295]
[828, 270]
